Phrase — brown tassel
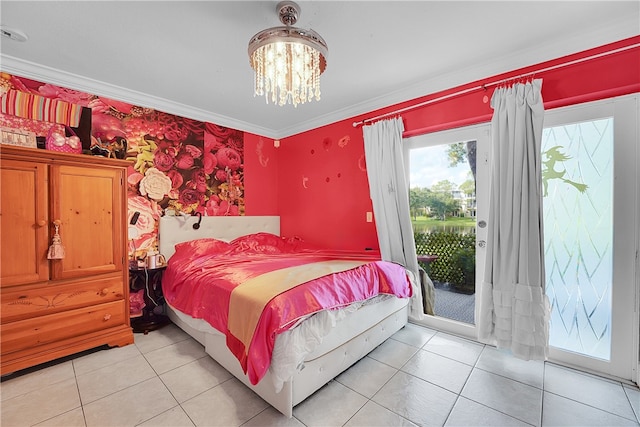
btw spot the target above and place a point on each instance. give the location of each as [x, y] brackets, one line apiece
[56, 250]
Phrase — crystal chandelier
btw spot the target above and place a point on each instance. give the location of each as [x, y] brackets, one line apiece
[287, 60]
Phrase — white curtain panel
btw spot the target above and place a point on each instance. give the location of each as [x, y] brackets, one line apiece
[514, 309]
[390, 197]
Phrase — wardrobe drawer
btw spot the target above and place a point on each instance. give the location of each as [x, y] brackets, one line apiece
[48, 299]
[55, 327]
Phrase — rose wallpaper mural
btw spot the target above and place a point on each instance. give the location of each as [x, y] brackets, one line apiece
[177, 164]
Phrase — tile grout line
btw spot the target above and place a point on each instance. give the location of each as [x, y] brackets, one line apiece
[75, 378]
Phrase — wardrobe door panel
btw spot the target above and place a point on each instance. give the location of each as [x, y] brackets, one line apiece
[88, 203]
[24, 222]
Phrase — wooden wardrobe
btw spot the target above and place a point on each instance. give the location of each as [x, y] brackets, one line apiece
[50, 308]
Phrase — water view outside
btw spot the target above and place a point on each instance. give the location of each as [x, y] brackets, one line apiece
[443, 209]
[442, 189]
[428, 228]
[577, 178]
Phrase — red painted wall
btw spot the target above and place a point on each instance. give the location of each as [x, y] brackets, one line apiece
[312, 186]
[261, 171]
[323, 188]
[329, 208]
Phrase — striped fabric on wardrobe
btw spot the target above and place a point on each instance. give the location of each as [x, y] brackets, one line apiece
[36, 107]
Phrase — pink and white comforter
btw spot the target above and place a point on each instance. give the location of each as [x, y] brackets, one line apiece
[202, 275]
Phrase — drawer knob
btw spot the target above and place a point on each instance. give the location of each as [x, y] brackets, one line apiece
[42, 223]
[107, 317]
[104, 291]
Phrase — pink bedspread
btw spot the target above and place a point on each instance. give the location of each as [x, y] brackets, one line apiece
[202, 274]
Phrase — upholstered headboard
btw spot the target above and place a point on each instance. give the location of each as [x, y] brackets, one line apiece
[176, 229]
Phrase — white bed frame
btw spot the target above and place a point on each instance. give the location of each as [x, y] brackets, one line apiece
[352, 338]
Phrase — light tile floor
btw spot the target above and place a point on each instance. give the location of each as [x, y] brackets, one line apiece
[418, 377]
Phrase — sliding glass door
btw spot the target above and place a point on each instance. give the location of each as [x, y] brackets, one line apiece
[591, 202]
[448, 176]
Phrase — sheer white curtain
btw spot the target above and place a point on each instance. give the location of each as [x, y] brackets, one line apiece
[514, 311]
[390, 197]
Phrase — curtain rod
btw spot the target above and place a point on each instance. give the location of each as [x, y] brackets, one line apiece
[496, 83]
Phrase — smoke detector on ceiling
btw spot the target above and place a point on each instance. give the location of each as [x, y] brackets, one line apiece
[12, 34]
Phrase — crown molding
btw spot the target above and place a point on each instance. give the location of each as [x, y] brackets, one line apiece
[45, 74]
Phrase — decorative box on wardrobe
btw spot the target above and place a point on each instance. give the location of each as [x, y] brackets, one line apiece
[50, 308]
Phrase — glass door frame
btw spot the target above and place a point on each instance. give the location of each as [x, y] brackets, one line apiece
[625, 320]
[482, 135]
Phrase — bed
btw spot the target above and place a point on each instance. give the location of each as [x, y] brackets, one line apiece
[305, 355]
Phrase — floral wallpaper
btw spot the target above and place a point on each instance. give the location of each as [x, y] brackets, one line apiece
[177, 164]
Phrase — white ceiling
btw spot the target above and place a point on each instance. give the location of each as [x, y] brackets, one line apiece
[190, 58]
